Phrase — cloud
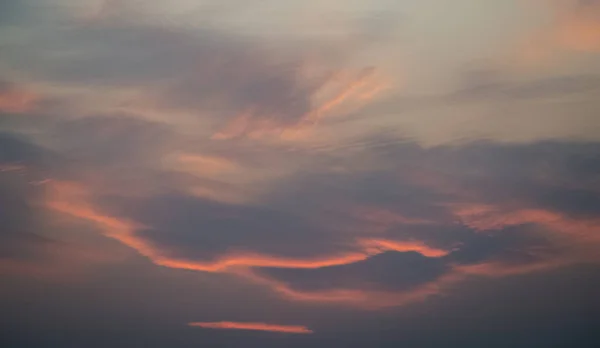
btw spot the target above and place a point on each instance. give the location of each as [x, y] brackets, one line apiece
[483, 211]
[74, 200]
[444, 212]
[203, 165]
[574, 28]
[15, 100]
[529, 176]
[578, 28]
[392, 271]
[397, 277]
[236, 166]
[488, 84]
[19, 151]
[30, 245]
[578, 231]
[237, 87]
[111, 139]
[231, 325]
[311, 223]
[321, 100]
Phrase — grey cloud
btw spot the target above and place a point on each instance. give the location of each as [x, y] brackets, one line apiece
[303, 215]
[489, 85]
[17, 149]
[402, 271]
[115, 54]
[194, 228]
[205, 71]
[480, 85]
[294, 219]
[551, 175]
[512, 245]
[111, 139]
[21, 164]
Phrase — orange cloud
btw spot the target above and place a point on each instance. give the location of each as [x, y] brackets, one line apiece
[373, 299]
[212, 171]
[202, 164]
[359, 90]
[575, 27]
[345, 93]
[233, 325]
[486, 217]
[578, 26]
[228, 195]
[74, 200]
[258, 260]
[375, 245]
[330, 95]
[11, 167]
[497, 269]
[578, 237]
[235, 128]
[369, 299]
[16, 101]
[345, 296]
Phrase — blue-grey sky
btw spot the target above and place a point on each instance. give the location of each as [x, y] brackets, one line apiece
[299, 173]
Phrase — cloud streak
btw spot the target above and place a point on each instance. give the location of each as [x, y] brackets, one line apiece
[253, 326]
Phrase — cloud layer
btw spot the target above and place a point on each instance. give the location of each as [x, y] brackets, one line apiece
[311, 164]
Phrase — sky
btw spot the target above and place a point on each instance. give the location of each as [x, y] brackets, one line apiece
[332, 173]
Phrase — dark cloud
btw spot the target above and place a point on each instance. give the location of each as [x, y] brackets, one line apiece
[512, 245]
[513, 177]
[16, 149]
[197, 229]
[405, 271]
[549, 175]
[22, 164]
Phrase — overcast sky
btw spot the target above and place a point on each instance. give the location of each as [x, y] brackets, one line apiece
[332, 173]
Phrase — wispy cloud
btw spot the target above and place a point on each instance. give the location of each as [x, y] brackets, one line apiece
[232, 325]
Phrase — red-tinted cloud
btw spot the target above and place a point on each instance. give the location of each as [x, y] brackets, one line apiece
[574, 28]
[74, 199]
[16, 100]
[232, 325]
